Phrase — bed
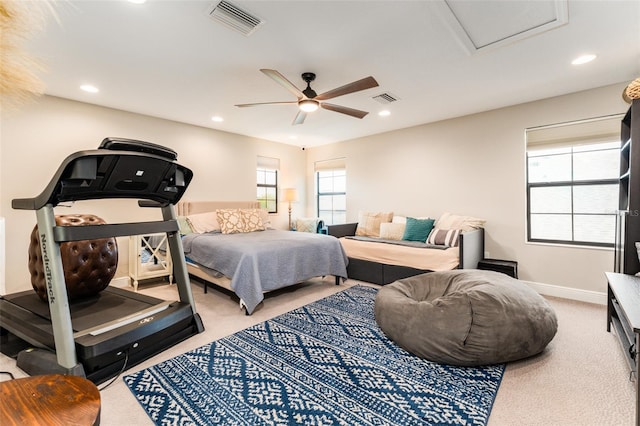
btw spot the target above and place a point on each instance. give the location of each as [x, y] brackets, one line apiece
[252, 263]
[382, 261]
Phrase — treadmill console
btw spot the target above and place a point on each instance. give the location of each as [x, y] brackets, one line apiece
[119, 168]
[120, 144]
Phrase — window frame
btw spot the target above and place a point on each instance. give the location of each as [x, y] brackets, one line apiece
[572, 214]
[265, 185]
[332, 194]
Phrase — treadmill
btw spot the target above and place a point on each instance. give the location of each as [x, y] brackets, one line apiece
[100, 336]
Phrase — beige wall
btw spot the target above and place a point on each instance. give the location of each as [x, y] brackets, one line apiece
[469, 165]
[38, 137]
[475, 165]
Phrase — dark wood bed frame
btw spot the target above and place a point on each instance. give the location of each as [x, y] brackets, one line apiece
[471, 245]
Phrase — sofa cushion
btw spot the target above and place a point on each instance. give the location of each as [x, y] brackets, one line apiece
[444, 237]
[417, 229]
[463, 223]
[391, 231]
[369, 223]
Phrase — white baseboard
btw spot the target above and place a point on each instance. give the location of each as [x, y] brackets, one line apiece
[569, 293]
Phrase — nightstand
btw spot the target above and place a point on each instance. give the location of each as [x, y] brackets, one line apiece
[149, 258]
[508, 267]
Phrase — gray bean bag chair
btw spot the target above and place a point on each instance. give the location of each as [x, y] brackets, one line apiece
[465, 317]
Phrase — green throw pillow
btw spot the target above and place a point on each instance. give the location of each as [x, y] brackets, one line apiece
[417, 229]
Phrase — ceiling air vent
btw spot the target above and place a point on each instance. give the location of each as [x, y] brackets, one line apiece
[232, 16]
[385, 98]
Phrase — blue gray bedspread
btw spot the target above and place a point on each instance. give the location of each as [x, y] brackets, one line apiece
[267, 260]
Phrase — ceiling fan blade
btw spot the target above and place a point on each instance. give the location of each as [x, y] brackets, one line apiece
[344, 110]
[281, 80]
[356, 86]
[300, 116]
[268, 103]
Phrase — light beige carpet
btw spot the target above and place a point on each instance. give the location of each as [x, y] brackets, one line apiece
[581, 379]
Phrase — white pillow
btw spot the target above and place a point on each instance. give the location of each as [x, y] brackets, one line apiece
[392, 231]
[266, 220]
[464, 223]
[403, 219]
[399, 219]
[203, 222]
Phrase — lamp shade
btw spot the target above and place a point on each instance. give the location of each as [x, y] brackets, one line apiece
[289, 194]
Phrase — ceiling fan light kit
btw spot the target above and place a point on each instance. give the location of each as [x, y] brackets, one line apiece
[309, 100]
[308, 105]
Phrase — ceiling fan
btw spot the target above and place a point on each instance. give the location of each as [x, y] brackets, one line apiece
[309, 100]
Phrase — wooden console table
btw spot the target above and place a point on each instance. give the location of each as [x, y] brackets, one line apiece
[623, 314]
[51, 399]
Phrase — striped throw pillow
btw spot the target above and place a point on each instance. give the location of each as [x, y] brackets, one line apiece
[444, 237]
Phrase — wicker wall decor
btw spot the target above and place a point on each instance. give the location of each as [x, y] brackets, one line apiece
[632, 91]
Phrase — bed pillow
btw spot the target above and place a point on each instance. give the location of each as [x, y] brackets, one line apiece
[392, 231]
[403, 219]
[399, 219]
[252, 220]
[203, 222]
[307, 224]
[369, 223]
[464, 223]
[266, 220]
[417, 229]
[183, 225]
[444, 237]
[231, 221]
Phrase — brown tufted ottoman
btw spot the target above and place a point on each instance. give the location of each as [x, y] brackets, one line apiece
[88, 265]
[466, 317]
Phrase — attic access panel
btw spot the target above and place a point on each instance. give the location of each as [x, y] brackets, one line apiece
[484, 24]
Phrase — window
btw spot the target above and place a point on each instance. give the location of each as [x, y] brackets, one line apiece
[267, 183]
[572, 184]
[331, 185]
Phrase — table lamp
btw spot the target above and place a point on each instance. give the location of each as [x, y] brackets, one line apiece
[289, 195]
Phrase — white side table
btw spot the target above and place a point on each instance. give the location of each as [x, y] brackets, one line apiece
[149, 257]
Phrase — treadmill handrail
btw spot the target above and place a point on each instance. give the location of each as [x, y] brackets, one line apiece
[92, 174]
[89, 232]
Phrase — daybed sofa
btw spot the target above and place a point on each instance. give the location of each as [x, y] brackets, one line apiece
[382, 248]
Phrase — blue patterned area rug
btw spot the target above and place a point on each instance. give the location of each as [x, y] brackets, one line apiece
[326, 363]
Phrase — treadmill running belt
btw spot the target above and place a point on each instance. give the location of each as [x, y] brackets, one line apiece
[93, 311]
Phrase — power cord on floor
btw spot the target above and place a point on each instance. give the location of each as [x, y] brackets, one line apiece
[9, 373]
[124, 367]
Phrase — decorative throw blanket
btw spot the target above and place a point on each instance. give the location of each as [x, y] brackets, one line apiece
[416, 244]
[327, 363]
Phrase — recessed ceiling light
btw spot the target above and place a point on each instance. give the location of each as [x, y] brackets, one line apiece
[384, 113]
[89, 88]
[137, 1]
[217, 119]
[583, 59]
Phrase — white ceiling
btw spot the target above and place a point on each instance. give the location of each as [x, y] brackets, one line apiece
[442, 59]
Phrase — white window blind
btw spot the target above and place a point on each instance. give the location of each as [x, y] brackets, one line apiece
[572, 181]
[334, 164]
